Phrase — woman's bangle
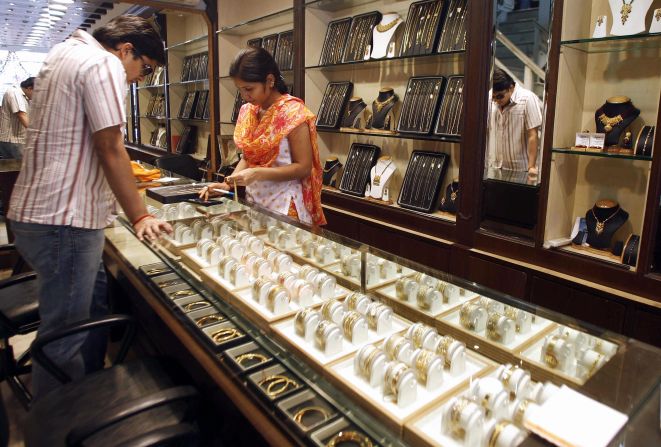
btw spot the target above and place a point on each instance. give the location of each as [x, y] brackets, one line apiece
[141, 218]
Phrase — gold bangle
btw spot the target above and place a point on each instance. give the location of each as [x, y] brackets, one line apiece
[327, 309]
[521, 412]
[422, 363]
[208, 319]
[512, 313]
[320, 333]
[418, 334]
[172, 282]
[182, 293]
[156, 271]
[465, 316]
[394, 374]
[400, 288]
[549, 355]
[274, 292]
[455, 415]
[282, 277]
[443, 347]
[493, 439]
[299, 320]
[393, 345]
[352, 300]
[275, 380]
[492, 327]
[305, 271]
[300, 414]
[367, 366]
[251, 356]
[374, 311]
[232, 274]
[226, 334]
[421, 297]
[197, 305]
[256, 266]
[257, 286]
[350, 436]
[348, 323]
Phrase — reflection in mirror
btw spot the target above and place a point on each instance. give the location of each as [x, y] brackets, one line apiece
[515, 122]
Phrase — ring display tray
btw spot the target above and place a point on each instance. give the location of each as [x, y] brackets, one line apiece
[333, 104]
[449, 119]
[356, 173]
[422, 181]
[420, 104]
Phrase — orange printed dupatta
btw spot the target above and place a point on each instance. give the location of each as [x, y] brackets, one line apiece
[260, 142]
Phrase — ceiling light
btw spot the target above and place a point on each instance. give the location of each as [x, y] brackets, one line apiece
[65, 2]
[55, 13]
[58, 7]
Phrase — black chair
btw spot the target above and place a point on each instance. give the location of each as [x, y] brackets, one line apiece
[181, 164]
[137, 403]
[19, 315]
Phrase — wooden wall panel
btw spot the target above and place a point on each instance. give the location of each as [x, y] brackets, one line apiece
[497, 277]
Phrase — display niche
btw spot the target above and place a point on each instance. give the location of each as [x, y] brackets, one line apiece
[359, 59]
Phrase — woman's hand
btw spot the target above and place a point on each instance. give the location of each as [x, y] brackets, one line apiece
[208, 191]
[244, 177]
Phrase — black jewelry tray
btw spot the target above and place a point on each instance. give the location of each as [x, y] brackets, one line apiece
[449, 121]
[175, 193]
[327, 117]
[356, 172]
[416, 27]
[337, 35]
[422, 181]
[363, 24]
[417, 106]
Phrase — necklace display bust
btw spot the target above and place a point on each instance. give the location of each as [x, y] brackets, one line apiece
[612, 118]
[331, 170]
[352, 117]
[384, 33]
[450, 200]
[380, 176]
[382, 108]
[629, 16]
[603, 220]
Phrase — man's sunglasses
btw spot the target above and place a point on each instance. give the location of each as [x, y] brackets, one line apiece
[146, 69]
[497, 97]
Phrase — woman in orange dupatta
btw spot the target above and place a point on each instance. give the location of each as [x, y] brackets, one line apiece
[276, 132]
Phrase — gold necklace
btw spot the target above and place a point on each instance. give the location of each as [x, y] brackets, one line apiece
[599, 225]
[625, 11]
[377, 177]
[383, 28]
[332, 166]
[453, 193]
[609, 122]
[381, 104]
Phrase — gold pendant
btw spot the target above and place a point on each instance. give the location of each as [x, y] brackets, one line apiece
[453, 196]
[377, 180]
[443, 201]
[624, 12]
[599, 227]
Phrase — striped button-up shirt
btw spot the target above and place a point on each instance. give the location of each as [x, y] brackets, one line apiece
[11, 129]
[508, 129]
[80, 90]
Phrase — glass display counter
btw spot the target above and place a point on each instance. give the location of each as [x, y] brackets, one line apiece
[341, 342]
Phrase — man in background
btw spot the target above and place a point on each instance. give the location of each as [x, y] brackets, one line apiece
[14, 119]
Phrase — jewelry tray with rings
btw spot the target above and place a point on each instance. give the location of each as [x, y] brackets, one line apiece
[420, 104]
[306, 410]
[356, 172]
[333, 104]
[373, 262]
[275, 382]
[247, 357]
[423, 181]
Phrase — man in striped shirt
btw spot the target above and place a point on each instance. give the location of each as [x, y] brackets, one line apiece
[14, 119]
[516, 116]
[75, 167]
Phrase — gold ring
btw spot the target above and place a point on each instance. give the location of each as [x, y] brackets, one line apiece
[350, 436]
[251, 356]
[300, 414]
[394, 374]
[226, 334]
[320, 333]
[276, 380]
[549, 355]
[455, 414]
[299, 320]
[465, 316]
[492, 327]
[422, 363]
[273, 293]
[521, 411]
[493, 439]
[208, 319]
[196, 306]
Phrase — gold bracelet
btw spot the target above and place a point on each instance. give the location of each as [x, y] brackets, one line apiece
[352, 300]
[226, 334]
[257, 265]
[348, 323]
[465, 316]
[274, 381]
[374, 312]
[422, 362]
[251, 356]
[367, 366]
[196, 306]
[418, 333]
[455, 415]
[400, 288]
[492, 327]
[320, 333]
[327, 309]
[421, 297]
[393, 345]
[350, 436]
[172, 282]
[273, 292]
[258, 284]
[493, 439]
[521, 411]
[232, 274]
[549, 355]
[443, 347]
[304, 271]
[512, 313]
[208, 319]
[300, 414]
[394, 374]
[182, 293]
[299, 320]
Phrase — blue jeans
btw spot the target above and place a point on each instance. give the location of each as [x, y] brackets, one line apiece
[72, 287]
[11, 150]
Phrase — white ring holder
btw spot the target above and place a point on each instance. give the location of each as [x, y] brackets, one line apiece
[280, 302]
[326, 286]
[303, 292]
[470, 422]
[241, 278]
[404, 353]
[407, 387]
[491, 393]
[407, 289]
[387, 269]
[434, 371]
[351, 266]
[259, 294]
[310, 324]
[518, 379]
[377, 367]
[563, 352]
[384, 321]
[215, 254]
[509, 436]
[333, 340]
[323, 254]
[432, 301]
[359, 331]
[361, 302]
[429, 339]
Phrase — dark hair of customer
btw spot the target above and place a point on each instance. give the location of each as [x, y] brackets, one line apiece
[134, 30]
[254, 65]
[501, 80]
[29, 82]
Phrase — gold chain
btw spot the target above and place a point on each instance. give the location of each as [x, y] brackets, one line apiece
[388, 26]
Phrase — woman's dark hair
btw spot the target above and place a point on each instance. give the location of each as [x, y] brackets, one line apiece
[254, 65]
[135, 30]
[501, 80]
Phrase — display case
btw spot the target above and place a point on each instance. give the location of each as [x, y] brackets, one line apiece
[607, 106]
[339, 341]
[402, 64]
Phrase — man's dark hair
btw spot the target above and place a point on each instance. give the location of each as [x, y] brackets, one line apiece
[28, 83]
[254, 65]
[501, 80]
[134, 30]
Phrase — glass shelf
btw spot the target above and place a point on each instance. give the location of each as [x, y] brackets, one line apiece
[605, 257]
[182, 83]
[252, 26]
[197, 120]
[182, 45]
[389, 63]
[601, 154]
[612, 44]
[147, 87]
[393, 135]
[335, 5]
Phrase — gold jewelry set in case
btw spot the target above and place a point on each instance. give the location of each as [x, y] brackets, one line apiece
[365, 344]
